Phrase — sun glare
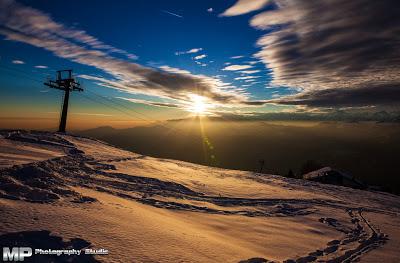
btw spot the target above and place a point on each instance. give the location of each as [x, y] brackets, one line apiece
[199, 105]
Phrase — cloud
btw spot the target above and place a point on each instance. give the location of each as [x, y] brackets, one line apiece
[175, 70]
[27, 25]
[236, 67]
[19, 62]
[32, 22]
[333, 48]
[245, 6]
[132, 56]
[41, 66]
[175, 84]
[247, 77]
[210, 10]
[200, 64]
[237, 57]
[151, 103]
[200, 57]
[383, 95]
[191, 51]
[331, 115]
[249, 71]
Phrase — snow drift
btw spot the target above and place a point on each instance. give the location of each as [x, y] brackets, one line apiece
[85, 193]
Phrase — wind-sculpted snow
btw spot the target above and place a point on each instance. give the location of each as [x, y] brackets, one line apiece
[18, 147]
[91, 172]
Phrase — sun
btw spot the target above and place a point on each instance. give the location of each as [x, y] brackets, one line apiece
[199, 105]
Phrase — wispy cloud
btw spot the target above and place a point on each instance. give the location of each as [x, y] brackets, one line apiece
[29, 23]
[249, 71]
[191, 51]
[151, 103]
[383, 95]
[237, 67]
[237, 57]
[210, 10]
[19, 62]
[41, 66]
[175, 70]
[245, 6]
[171, 13]
[200, 63]
[247, 77]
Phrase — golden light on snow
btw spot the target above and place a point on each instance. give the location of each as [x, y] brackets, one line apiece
[219, 215]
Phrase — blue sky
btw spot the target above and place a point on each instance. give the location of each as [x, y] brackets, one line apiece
[239, 57]
[158, 33]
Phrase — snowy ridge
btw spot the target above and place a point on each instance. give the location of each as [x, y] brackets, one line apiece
[187, 212]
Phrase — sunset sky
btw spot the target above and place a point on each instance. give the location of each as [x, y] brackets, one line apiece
[142, 61]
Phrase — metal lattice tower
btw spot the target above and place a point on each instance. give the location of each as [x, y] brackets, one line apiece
[67, 84]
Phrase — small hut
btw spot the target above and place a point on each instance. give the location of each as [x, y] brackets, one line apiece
[327, 175]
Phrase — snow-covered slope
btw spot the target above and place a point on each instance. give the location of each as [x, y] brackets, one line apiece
[65, 191]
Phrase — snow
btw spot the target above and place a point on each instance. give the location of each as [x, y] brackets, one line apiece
[145, 209]
[20, 152]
